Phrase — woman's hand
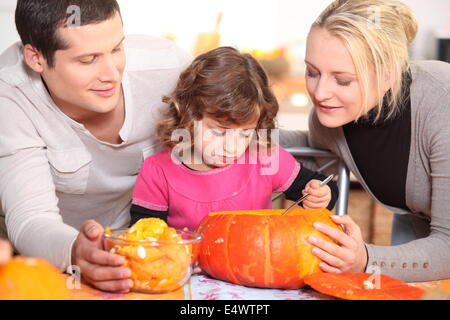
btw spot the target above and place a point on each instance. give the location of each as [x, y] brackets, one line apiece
[5, 252]
[319, 197]
[349, 255]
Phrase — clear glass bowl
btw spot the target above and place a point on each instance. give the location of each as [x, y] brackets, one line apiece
[158, 266]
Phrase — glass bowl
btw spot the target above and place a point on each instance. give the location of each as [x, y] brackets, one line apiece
[157, 266]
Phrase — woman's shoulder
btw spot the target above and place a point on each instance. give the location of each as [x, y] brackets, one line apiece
[428, 74]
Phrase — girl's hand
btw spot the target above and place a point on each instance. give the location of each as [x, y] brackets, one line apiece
[349, 255]
[319, 197]
[5, 252]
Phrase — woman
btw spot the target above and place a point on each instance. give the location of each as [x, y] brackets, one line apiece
[388, 119]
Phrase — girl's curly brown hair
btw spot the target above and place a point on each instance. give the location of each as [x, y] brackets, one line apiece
[224, 84]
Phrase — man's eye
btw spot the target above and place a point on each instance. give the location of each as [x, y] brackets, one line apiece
[88, 61]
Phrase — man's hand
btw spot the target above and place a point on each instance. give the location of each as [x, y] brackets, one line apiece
[5, 252]
[100, 268]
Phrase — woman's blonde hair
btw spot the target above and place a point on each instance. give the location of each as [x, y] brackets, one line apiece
[377, 34]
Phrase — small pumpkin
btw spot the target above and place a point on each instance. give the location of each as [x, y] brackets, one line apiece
[25, 278]
[441, 292]
[261, 248]
[361, 286]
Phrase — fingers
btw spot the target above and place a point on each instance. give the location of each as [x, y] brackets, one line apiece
[329, 252]
[5, 252]
[117, 286]
[97, 273]
[102, 269]
[315, 204]
[335, 234]
[327, 258]
[347, 255]
[317, 192]
[100, 257]
[350, 225]
[92, 229]
[327, 268]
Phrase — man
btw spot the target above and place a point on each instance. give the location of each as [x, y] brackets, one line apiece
[75, 126]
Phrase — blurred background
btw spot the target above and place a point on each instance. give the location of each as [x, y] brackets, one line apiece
[275, 32]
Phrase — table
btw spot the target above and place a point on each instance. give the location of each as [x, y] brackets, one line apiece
[202, 287]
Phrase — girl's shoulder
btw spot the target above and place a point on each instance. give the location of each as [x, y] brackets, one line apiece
[161, 159]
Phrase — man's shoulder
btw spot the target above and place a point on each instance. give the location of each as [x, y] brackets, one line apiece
[12, 68]
[145, 52]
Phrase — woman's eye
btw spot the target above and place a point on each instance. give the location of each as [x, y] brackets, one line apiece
[312, 74]
[343, 83]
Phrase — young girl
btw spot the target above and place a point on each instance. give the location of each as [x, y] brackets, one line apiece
[223, 110]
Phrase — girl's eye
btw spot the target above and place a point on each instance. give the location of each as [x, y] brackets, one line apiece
[218, 133]
[247, 133]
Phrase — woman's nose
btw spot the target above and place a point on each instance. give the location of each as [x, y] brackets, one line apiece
[323, 91]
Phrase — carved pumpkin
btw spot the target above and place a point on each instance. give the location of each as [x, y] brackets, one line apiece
[363, 286]
[261, 248]
[159, 257]
[32, 279]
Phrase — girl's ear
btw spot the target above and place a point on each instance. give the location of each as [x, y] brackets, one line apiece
[33, 58]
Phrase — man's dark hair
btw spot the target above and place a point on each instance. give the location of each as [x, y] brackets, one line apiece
[37, 21]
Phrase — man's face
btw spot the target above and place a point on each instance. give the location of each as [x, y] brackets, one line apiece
[86, 78]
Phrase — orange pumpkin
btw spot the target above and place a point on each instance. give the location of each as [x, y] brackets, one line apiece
[441, 292]
[261, 248]
[159, 257]
[360, 286]
[32, 279]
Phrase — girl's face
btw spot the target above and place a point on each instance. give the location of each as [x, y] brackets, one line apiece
[221, 144]
[331, 80]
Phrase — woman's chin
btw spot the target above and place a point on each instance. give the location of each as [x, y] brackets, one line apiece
[331, 121]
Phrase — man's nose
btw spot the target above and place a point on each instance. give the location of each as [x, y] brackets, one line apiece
[109, 71]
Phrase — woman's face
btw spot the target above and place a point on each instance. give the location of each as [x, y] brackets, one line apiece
[331, 80]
